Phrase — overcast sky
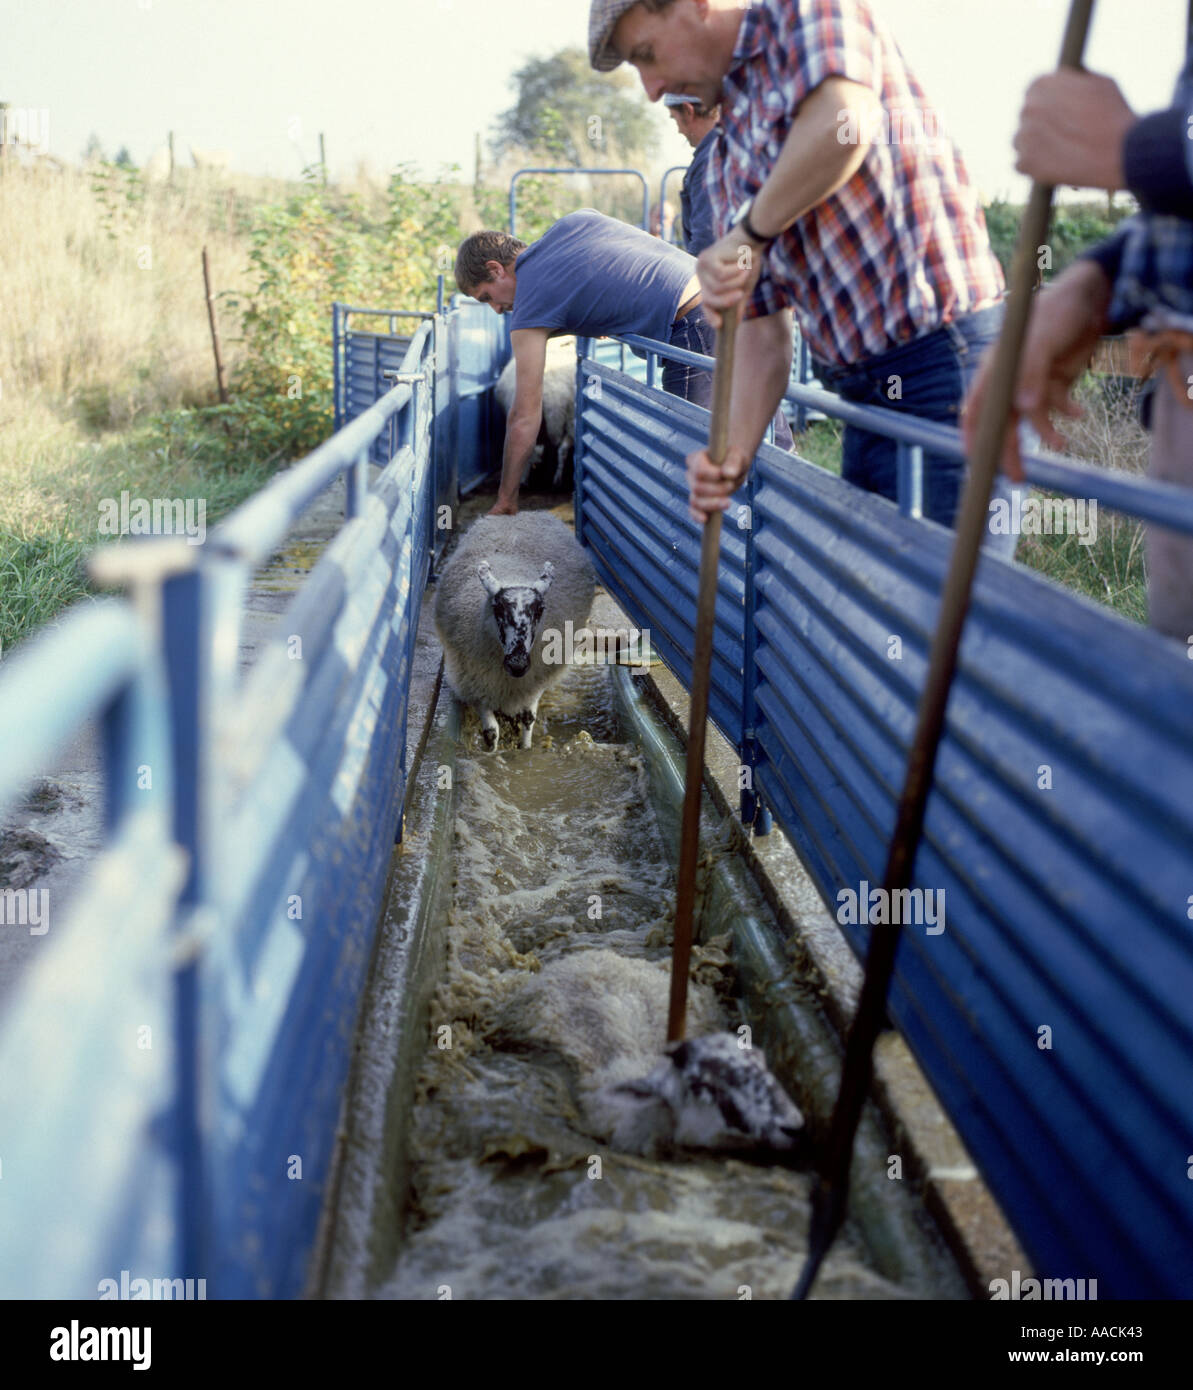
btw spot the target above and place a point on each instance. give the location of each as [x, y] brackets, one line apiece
[413, 80]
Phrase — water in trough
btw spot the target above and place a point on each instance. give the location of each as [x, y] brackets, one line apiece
[555, 986]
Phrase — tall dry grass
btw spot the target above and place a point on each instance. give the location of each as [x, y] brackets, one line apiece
[103, 321]
[102, 293]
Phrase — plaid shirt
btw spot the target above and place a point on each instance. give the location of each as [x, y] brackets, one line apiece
[898, 250]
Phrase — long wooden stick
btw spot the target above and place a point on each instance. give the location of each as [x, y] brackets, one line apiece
[706, 604]
[829, 1196]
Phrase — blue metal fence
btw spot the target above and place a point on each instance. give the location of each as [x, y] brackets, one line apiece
[233, 910]
[581, 173]
[1054, 1014]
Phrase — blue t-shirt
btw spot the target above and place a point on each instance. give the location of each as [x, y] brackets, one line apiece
[595, 276]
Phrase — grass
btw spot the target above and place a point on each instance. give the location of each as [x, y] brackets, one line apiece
[1111, 570]
[106, 365]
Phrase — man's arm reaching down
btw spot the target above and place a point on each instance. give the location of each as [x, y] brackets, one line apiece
[525, 417]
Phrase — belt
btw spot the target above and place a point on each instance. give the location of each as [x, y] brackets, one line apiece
[1159, 352]
[688, 306]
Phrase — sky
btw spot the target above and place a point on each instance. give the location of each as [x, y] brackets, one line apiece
[392, 81]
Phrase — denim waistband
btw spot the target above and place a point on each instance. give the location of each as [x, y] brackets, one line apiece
[956, 331]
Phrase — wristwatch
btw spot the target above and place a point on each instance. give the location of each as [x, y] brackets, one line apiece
[742, 218]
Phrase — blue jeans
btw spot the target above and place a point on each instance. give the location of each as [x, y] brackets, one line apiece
[930, 375]
[694, 333]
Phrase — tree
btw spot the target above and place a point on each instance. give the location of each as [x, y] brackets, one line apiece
[567, 112]
[93, 150]
[123, 159]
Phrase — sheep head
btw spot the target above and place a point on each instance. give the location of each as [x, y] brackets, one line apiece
[517, 611]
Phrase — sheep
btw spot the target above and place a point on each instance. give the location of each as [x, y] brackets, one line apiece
[511, 581]
[604, 1015]
[706, 1093]
[559, 406]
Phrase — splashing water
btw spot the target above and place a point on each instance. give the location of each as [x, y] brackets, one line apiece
[556, 988]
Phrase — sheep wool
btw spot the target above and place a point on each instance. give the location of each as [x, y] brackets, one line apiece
[559, 404]
[512, 580]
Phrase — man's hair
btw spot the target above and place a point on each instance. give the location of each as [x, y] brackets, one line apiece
[477, 250]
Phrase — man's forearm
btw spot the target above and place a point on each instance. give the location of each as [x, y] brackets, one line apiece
[760, 377]
[520, 437]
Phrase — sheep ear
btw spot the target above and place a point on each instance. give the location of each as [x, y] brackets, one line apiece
[486, 577]
[544, 579]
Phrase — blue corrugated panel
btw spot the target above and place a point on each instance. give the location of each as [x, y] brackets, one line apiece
[366, 357]
[480, 348]
[1060, 830]
[646, 548]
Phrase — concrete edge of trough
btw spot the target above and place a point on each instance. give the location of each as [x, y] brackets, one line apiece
[790, 1024]
[361, 1223]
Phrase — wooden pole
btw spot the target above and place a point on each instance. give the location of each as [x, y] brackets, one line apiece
[829, 1196]
[170, 144]
[706, 603]
[323, 159]
[215, 332]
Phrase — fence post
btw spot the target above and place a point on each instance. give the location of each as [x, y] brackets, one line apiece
[583, 348]
[801, 369]
[186, 652]
[337, 366]
[909, 478]
[752, 812]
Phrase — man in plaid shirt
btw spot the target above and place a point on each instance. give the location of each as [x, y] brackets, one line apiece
[837, 195]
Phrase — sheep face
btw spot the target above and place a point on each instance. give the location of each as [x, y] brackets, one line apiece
[518, 611]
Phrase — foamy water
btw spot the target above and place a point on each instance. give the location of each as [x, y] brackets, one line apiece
[556, 986]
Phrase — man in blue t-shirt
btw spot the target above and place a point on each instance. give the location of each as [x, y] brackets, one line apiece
[593, 276]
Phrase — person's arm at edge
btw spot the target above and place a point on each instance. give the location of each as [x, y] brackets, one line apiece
[1076, 128]
[1158, 162]
[525, 417]
[1067, 318]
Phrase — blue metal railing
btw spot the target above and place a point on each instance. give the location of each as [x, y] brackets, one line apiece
[232, 910]
[633, 173]
[1053, 1013]
[674, 169]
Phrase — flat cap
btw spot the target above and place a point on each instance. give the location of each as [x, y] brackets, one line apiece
[602, 20]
